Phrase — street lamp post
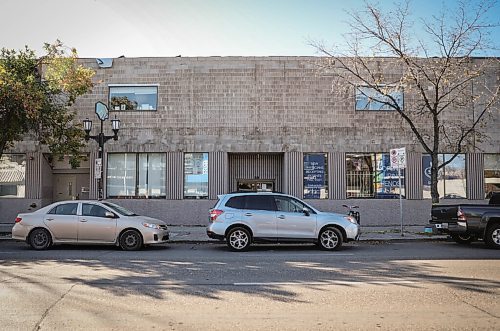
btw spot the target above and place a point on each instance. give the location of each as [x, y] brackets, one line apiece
[102, 113]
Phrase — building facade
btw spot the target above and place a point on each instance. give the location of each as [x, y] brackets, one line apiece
[193, 128]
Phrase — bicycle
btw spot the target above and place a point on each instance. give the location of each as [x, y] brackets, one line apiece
[353, 213]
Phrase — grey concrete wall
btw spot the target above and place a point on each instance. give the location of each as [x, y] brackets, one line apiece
[10, 207]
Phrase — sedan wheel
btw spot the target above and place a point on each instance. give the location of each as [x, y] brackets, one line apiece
[330, 239]
[39, 239]
[238, 239]
[131, 240]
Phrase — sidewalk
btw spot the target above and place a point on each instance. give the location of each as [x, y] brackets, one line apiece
[369, 233]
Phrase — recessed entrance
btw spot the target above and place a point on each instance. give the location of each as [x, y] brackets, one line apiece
[255, 172]
[256, 185]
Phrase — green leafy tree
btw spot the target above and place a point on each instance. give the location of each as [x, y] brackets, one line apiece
[36, 95]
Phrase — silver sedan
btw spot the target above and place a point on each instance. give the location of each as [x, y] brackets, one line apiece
[88, 222]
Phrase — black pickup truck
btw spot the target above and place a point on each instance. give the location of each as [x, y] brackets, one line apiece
[468, 222]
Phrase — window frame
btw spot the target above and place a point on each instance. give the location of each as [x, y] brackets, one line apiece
[374, 180]
[195, 197]
[18, 186]
[442, 174]
[487, 194]
[326, 177]
[356, 88]
[137, 179]
[110, 86]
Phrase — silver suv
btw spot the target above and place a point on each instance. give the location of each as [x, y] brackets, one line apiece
[244, 218]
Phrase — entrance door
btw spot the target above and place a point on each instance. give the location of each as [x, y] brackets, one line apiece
[70, 186]
[255, 185]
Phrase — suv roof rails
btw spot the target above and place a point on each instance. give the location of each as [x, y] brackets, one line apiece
[254, 192]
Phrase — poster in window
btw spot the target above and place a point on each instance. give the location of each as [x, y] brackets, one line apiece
[314, 175]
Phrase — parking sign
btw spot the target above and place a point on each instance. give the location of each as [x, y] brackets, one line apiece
[398, 158]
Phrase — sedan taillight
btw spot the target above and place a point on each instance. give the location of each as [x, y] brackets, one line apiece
[18, 219]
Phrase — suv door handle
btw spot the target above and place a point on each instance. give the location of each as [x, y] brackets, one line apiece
[83, 220]
[49, 219]
[281, 217]
[248, 214]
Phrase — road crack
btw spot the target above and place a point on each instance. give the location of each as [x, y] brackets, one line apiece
[38, 324]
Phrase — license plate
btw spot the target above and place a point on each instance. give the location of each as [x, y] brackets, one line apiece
[442, 226]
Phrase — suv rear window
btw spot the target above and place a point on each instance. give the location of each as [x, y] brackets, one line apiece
[236, 202]
[260, 202]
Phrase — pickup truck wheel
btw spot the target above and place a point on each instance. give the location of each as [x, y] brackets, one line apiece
[492, 237]
[462, 239]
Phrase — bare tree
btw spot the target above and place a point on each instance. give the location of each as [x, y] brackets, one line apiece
[450, 90]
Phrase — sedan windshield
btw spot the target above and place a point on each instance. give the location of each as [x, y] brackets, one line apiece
[119, 209]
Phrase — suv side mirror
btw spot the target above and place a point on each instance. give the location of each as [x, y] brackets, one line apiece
[306, 211]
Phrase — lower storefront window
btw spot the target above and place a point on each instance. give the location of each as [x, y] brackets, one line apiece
[13, 175]
[196, 176]
[370, 175]
[491, 174]
[316, 176]
[452, 182]
[136, 175]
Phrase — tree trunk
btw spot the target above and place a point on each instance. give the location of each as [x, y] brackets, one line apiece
[434, 177]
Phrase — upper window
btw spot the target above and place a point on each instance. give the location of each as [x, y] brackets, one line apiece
[196, 175]
[136, 175]
[131, 98]
[452, 183]
[316, 176]
[368, 98]
[491, 174]
[65, 209]
[12, 175]
[370, 175]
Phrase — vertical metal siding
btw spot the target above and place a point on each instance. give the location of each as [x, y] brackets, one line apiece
[337, 175]
[252, 165]
[474, 166]
[218, 174]
[175, 175]
[293, 178]
[33, 175]
[414, 181]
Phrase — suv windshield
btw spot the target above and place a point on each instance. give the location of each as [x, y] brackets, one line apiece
[119, 209]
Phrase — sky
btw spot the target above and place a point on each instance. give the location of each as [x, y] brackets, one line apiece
[152, 28]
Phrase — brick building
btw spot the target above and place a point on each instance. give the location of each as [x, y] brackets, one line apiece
[193, 128]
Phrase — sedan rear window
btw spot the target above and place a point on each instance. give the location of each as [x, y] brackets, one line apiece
[65, 209]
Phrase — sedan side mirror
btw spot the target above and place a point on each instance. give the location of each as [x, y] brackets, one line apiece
[109, 214]
[306, 211]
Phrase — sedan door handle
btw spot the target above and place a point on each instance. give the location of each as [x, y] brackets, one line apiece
[83, 220]
[281, 217]
[248, 214]
[49, 219]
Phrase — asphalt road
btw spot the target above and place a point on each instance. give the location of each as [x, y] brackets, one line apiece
[365, 286]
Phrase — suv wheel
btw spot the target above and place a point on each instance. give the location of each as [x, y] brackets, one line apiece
[238, 239]
[330, 239]
[492, 237]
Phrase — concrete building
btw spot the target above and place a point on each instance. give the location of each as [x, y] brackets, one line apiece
[193, 128]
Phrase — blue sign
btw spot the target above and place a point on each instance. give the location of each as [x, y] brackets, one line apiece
[426, 169]
[314, 175]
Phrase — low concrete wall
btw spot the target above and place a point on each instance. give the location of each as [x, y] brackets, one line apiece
[374, 212]
[9, 208]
